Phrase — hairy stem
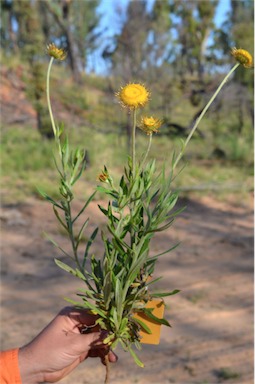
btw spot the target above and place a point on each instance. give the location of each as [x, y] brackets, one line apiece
[202, 115]
[48, 96]
[133, 142]
[54, 128]
[147, 152]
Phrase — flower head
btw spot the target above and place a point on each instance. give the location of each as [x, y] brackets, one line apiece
[133, 95]
[150, 124]
[57, 53]
[104, 177]
[243, 57]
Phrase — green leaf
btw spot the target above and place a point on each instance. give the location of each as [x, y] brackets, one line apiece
[47, 197]
[85, 206]
[148, 313]
[154, 281]
[123, 185]
[143, 325]
[76, 303]
[110, 192]
[89, 243]
[88, 305]
[59, 218]
[163, 253]
[118, 296]
[164, 294]
[80, 275]
[57, 167]
[65, 151]
[78, 160]
[95, 275]
[56, 244]
[123, 324]
[118, 247]
[135, 357]
[65, 267]
[107, 289]
[79, 237]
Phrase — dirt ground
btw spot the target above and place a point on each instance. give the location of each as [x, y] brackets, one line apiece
[211, 339]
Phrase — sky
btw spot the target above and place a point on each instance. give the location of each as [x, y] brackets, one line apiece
[110, 25]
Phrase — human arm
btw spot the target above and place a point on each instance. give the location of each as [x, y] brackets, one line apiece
[60, 347]
[9, 367]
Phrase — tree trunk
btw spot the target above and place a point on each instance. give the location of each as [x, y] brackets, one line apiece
[73, 57]
[65, 24]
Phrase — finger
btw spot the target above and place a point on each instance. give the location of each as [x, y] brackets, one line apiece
[108, 355]
[87, 342]
[97, 339]
[113, 358]
[102, 353]
[78, 316]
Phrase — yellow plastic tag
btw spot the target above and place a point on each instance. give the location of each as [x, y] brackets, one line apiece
[158, 311]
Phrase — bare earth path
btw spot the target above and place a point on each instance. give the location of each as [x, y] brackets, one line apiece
[211, 339]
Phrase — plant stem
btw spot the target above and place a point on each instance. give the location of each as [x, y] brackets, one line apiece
[133, 142]
[133, 171]
[147, 152]
[107, 369]
[48, 97]
[202, 115]
[56, 134]
[71, 235]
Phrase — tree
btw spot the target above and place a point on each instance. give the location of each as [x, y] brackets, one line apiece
[30, 41]
[193, 23]
[74, 23]
[8, 35]
[130, 47]
[71, 23]
[160, 46]
[242, 33]
[237, 31]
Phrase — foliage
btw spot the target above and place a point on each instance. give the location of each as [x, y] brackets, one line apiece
[174, 44]
[141, 204]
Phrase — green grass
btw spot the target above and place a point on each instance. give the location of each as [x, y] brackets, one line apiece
[27, 158]
[27, 163]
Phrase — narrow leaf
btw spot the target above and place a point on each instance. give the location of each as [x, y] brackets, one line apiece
[85, 206]
[165, 293]
[65, 267]
[56, 244]
[143, 325]
[135, 357]
[59, 218]
[47, 197]
[148, 312]
[89, 243]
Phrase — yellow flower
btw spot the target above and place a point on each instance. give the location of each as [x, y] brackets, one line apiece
[133, 95]
[243, 57]
[150, 124]
[57, 53]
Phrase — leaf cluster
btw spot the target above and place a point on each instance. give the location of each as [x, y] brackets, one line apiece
[117, 283]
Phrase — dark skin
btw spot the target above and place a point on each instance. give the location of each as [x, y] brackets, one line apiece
[70, 338]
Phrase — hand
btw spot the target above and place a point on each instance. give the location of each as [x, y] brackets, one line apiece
[60, 347]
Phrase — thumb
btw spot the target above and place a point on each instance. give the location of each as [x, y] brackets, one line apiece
[92, 340]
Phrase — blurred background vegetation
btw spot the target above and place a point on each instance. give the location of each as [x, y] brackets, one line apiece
[171, 46]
